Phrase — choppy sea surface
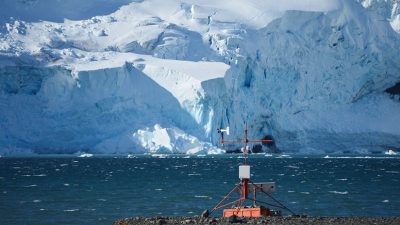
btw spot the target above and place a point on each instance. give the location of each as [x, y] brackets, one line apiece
[101, 189]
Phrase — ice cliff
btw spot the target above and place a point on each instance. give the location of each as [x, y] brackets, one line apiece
[157, 76]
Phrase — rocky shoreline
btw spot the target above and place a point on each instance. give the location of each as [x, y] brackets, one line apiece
[265, 220]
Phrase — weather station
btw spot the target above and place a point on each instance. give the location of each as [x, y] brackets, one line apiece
[247, 190]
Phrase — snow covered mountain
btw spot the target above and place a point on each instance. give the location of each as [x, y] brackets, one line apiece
[388, 9]
[161, 76]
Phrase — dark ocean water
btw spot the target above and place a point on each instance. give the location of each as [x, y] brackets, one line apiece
[98, 190]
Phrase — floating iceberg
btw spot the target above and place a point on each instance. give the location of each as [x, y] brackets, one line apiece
[390, 152]
[85, 155]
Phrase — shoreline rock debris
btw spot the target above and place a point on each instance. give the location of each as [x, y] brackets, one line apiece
[264, 220]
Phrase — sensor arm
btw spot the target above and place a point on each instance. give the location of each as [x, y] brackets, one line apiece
[245, 141]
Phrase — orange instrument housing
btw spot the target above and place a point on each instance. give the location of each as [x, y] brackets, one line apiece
[247, 212]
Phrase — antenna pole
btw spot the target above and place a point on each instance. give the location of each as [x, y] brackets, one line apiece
[246, 140]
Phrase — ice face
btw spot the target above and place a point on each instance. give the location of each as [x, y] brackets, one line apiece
[389, 10]
[310, 75]
[321, 97]
[55, 110]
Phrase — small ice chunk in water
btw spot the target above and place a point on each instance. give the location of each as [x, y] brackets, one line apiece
[339, 192]
[71, 210]
[201, 196]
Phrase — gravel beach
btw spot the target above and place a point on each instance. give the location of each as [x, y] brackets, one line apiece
[267, 220]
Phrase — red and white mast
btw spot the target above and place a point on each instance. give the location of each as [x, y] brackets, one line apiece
[246, 184]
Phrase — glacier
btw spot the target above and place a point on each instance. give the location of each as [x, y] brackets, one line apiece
[133, 78]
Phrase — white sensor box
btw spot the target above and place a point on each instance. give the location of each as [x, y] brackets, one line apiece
[244, 172]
